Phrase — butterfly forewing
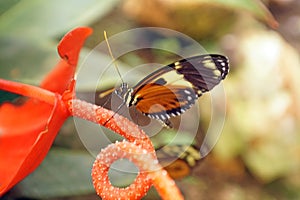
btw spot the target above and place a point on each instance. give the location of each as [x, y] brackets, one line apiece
[203, 72]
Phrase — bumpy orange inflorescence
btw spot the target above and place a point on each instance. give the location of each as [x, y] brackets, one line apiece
[135, 154]
[138, 149]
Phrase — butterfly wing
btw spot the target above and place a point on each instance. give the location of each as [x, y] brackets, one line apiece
[171, 90]
[203, 72]
[178, 159]
[163, 101]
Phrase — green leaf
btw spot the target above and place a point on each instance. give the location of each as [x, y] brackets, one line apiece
[68, 173]
[6, 5]
[26, 60]
[28, 30]
[39, 19]
[7, 96]
[62, 173]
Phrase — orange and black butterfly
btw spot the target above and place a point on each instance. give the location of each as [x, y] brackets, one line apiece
[174, 88]
[178, 159]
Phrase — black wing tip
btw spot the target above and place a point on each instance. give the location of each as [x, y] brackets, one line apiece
[222, 63]
[217, 58]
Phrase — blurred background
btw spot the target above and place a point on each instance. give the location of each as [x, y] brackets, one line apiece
[258, 153]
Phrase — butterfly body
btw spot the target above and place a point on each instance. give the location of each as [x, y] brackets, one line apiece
[174, 88]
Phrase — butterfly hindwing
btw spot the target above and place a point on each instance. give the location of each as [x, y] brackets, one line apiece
[173, 100]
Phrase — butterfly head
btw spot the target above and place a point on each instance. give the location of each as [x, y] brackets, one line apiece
[125, 92]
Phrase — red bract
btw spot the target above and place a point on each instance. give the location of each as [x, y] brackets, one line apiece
[28, 130]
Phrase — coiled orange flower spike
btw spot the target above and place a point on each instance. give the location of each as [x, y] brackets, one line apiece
[138, 149]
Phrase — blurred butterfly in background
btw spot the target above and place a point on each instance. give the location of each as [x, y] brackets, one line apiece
[174, 88]
[178, 160]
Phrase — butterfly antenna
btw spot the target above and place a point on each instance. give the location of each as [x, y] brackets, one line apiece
[118, 109]
[103, 94]
[118, 71]
[111, 55]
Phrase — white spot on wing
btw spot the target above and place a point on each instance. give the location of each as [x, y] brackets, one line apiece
[187, 91]
[177, 65]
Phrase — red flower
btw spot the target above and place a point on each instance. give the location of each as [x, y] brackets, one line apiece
[28, 130]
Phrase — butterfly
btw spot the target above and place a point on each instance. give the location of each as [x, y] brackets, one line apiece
[178, 159]
[174, 88]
